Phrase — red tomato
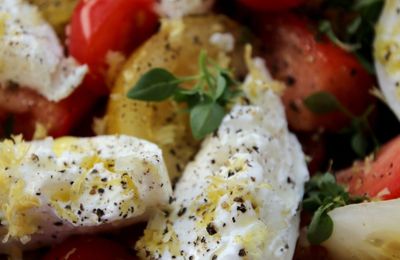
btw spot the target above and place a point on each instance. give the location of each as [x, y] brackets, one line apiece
[28, 108]
[99, 26]
[308, 65]
[379, 178]
[89, 247]
[271, 5]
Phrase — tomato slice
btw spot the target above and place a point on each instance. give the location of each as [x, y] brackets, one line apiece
[379, 178]
[27, 108]
[100, 26]
[89, 247]
[271, 5]
[307, 65]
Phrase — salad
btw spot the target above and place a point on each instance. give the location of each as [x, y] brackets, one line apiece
[199, 129]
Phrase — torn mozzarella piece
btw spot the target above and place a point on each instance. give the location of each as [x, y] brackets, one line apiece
[181, 8]
[31, 55]
[365, 231]
[51, 189]
[387, 54]
[241, 195]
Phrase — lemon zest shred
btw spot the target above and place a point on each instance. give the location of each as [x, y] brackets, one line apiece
[20, 222]
[156, 241]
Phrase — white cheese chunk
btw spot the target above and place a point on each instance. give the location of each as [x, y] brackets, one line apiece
[181, 8]
[241, 195]
[54, 188]
[32, 56]
[387, 54]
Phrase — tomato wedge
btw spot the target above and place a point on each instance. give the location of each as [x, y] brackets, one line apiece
[379, 178]
[26, 108]
[307, 65]
[100, 26]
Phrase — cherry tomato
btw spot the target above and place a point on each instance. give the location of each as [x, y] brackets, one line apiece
[307, 65]
[271, 5]
[100, 26]
[27, 108]
[89, 247]
[379, 178]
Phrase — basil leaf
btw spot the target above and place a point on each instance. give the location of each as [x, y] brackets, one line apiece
[155, 85]
[321, 226]
[205, 118]
[322, 103]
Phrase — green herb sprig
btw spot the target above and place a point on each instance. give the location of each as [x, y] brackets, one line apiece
[214, 87]
[356, 35]
[323, 194]
[362, 135]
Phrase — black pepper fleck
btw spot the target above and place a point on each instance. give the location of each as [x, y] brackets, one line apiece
[211, 229]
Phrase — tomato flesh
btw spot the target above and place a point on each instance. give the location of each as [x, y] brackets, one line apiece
[100, 26]
[379, 178]
[27, 108]
[307, 65]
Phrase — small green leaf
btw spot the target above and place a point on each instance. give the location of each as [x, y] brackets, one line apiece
[325, 27]
[213, 88]
[155, 85]
[322, 103]
[323, 194]
[359, 143]
[354, 25]
[186, 95]
[205, 118]
[321, 226]
[312, 202]
[222, 84]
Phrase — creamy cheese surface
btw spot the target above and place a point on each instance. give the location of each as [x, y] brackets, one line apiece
[31, 55]
[51, 189]
[240, 198]
[181, 8]
[387, 54]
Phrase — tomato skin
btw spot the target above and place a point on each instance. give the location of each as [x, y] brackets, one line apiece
[271, 5]
[99, 26]
[379, 178]
[308, 65]
[28, 108]
[89, 247]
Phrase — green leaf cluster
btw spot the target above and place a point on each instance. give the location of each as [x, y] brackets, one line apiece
[356, 35]
[214, 87]
[323, 194]
[362, 137]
